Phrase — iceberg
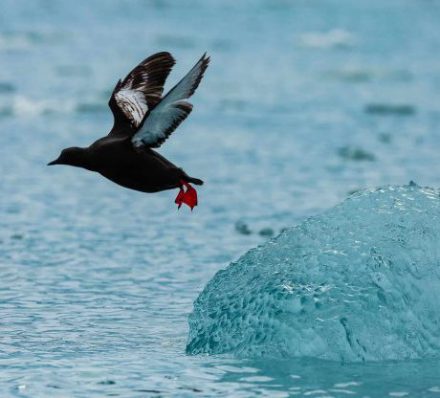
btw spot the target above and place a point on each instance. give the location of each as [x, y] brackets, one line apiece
[360, 282]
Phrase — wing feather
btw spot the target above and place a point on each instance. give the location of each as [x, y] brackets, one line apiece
[141, 90]
[160, 122]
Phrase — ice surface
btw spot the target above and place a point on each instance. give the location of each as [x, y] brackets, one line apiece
[359, 282]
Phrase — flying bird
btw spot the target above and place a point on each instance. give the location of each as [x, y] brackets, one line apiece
[143, 120]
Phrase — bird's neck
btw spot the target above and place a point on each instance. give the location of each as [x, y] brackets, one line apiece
[81, 158]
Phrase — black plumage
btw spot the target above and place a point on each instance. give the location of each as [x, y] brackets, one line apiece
[143, 120]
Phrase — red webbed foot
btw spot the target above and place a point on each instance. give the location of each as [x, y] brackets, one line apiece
[189, 197]
[179, 198]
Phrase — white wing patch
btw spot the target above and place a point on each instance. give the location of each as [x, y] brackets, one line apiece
[132, 102]
[162, 120]
[141, 90]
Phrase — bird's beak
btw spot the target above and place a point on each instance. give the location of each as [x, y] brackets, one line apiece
[53, 162]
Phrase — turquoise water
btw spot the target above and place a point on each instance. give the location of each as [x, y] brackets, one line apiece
[304, 102]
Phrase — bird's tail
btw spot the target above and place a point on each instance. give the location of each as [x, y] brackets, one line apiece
[193, 180]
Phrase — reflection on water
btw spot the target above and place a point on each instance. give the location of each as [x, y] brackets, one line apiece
[323, 379]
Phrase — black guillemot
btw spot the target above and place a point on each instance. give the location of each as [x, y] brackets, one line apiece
[143, 120]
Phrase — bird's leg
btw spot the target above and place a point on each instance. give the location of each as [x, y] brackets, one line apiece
[189, 197]
[179, 198]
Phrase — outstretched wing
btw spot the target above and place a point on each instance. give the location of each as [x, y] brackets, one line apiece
[140, 91]
[161, 121]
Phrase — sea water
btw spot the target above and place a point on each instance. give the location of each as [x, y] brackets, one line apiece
[304, 103]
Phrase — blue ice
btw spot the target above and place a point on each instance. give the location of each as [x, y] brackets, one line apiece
[358, 282]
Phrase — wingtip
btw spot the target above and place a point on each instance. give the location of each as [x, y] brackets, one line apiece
[206, 57]
[170, 60]
[204, 61]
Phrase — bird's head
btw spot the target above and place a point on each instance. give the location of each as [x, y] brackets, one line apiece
[73, 156]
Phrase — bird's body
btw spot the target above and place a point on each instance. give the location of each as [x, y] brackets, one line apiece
[143, 120]
[145, 171]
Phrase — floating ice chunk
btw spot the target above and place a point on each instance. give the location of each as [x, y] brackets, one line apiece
[390, 109]
[267, 232]
[356, 154]
[359, 282]
[242, 228]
